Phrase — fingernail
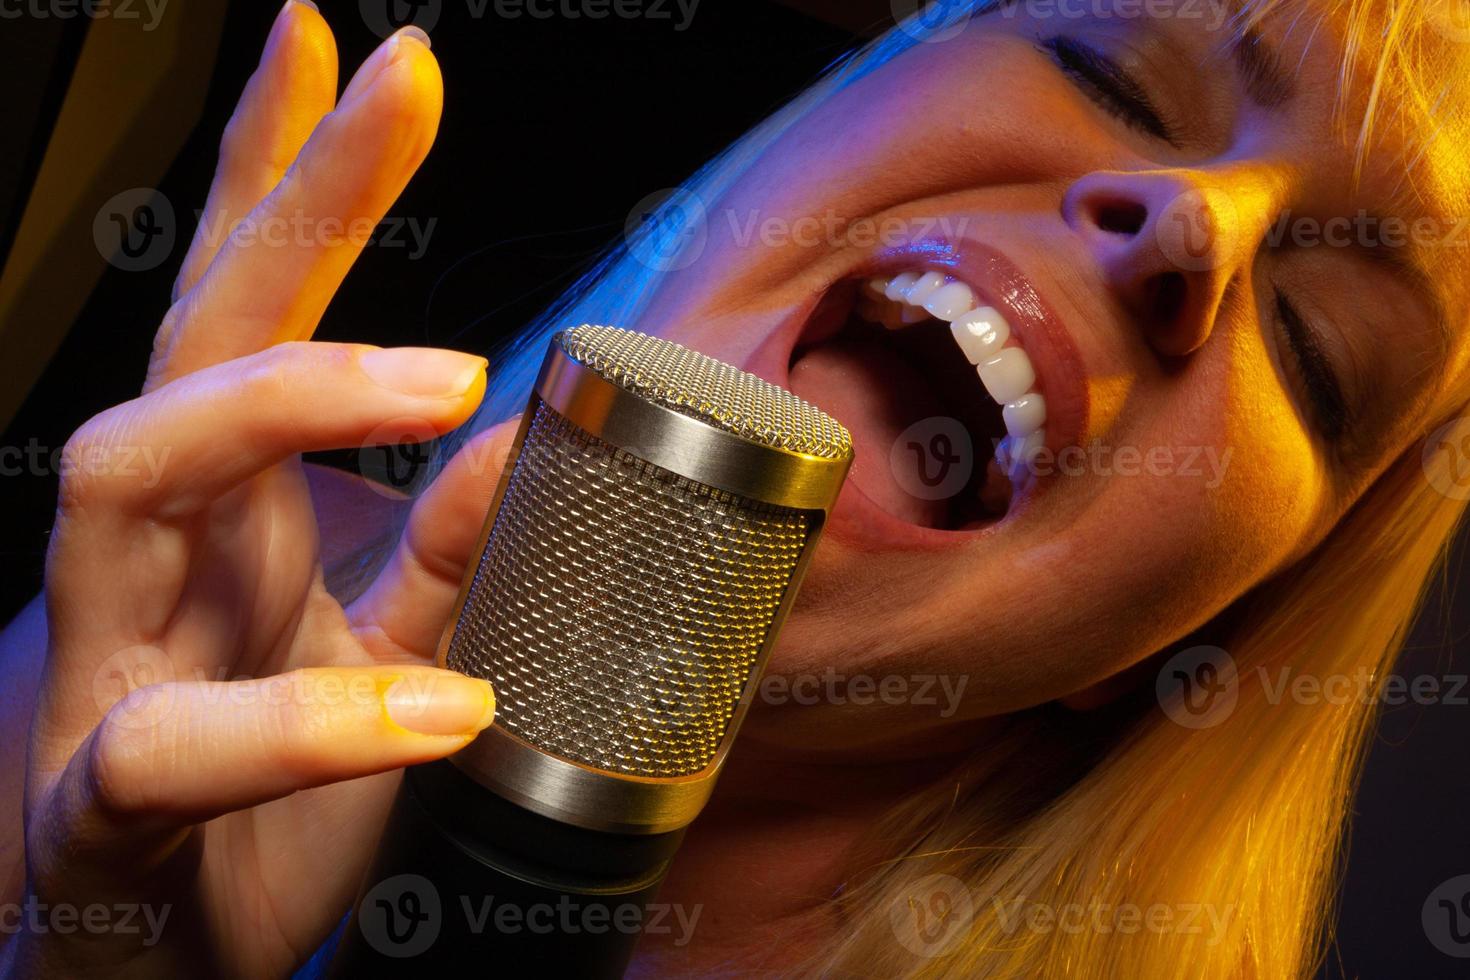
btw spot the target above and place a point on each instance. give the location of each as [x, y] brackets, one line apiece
[423, 372]
[377, 62]
[443, 703]
[283, 16]
[415, 32]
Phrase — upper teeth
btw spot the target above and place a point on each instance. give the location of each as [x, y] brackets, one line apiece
[985, 338]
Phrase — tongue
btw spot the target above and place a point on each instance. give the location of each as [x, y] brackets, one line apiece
[877, 395]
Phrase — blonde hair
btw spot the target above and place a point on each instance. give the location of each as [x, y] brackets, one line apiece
[1124, 811]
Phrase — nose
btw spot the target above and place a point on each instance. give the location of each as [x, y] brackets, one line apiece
[1167, 243]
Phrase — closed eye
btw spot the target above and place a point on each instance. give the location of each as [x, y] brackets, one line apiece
[1329, 407]
[1108, 84]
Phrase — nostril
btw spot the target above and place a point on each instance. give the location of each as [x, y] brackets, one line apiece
[1165, 297]
[1121, 217]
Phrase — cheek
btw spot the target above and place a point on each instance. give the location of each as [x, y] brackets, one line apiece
[1277, 485]
[1251, 499]
[1212, 489]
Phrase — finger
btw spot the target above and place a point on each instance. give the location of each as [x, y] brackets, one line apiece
[211, 431]
[294, 86]
[274, 277]
[126, 547]
[402, 614]
[169, 756]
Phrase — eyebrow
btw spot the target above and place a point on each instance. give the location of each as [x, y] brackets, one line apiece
[1266, 81]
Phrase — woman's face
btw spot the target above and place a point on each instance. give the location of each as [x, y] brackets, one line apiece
[1229, 340]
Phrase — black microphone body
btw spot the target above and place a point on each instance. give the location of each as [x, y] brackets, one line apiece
[646, 542]
[467, 879]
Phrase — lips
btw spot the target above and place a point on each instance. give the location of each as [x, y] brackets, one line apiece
[918, 350]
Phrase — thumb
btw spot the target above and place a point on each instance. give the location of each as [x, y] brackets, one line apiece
[170, 756]
[402, 614]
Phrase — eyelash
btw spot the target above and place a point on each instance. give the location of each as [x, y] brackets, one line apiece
[1122, 97]
[1108, 85]
[1322, 391]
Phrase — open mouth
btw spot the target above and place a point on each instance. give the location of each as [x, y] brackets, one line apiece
[940, 395]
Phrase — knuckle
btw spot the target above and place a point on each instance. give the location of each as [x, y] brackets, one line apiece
[81, 480]
[104, 464]
[120, 755]
[168, 329]
[272, 372]
[234, 138]
[280, 370]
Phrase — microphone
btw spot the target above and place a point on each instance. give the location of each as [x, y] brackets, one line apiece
[646, 542]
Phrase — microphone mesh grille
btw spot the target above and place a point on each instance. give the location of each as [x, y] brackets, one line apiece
[618, 608]
[716, 393]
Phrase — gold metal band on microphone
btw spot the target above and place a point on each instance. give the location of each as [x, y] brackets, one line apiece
[680, 444]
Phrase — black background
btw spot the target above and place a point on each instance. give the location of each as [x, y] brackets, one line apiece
[553, 130]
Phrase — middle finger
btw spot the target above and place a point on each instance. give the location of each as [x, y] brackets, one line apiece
[275, 277]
